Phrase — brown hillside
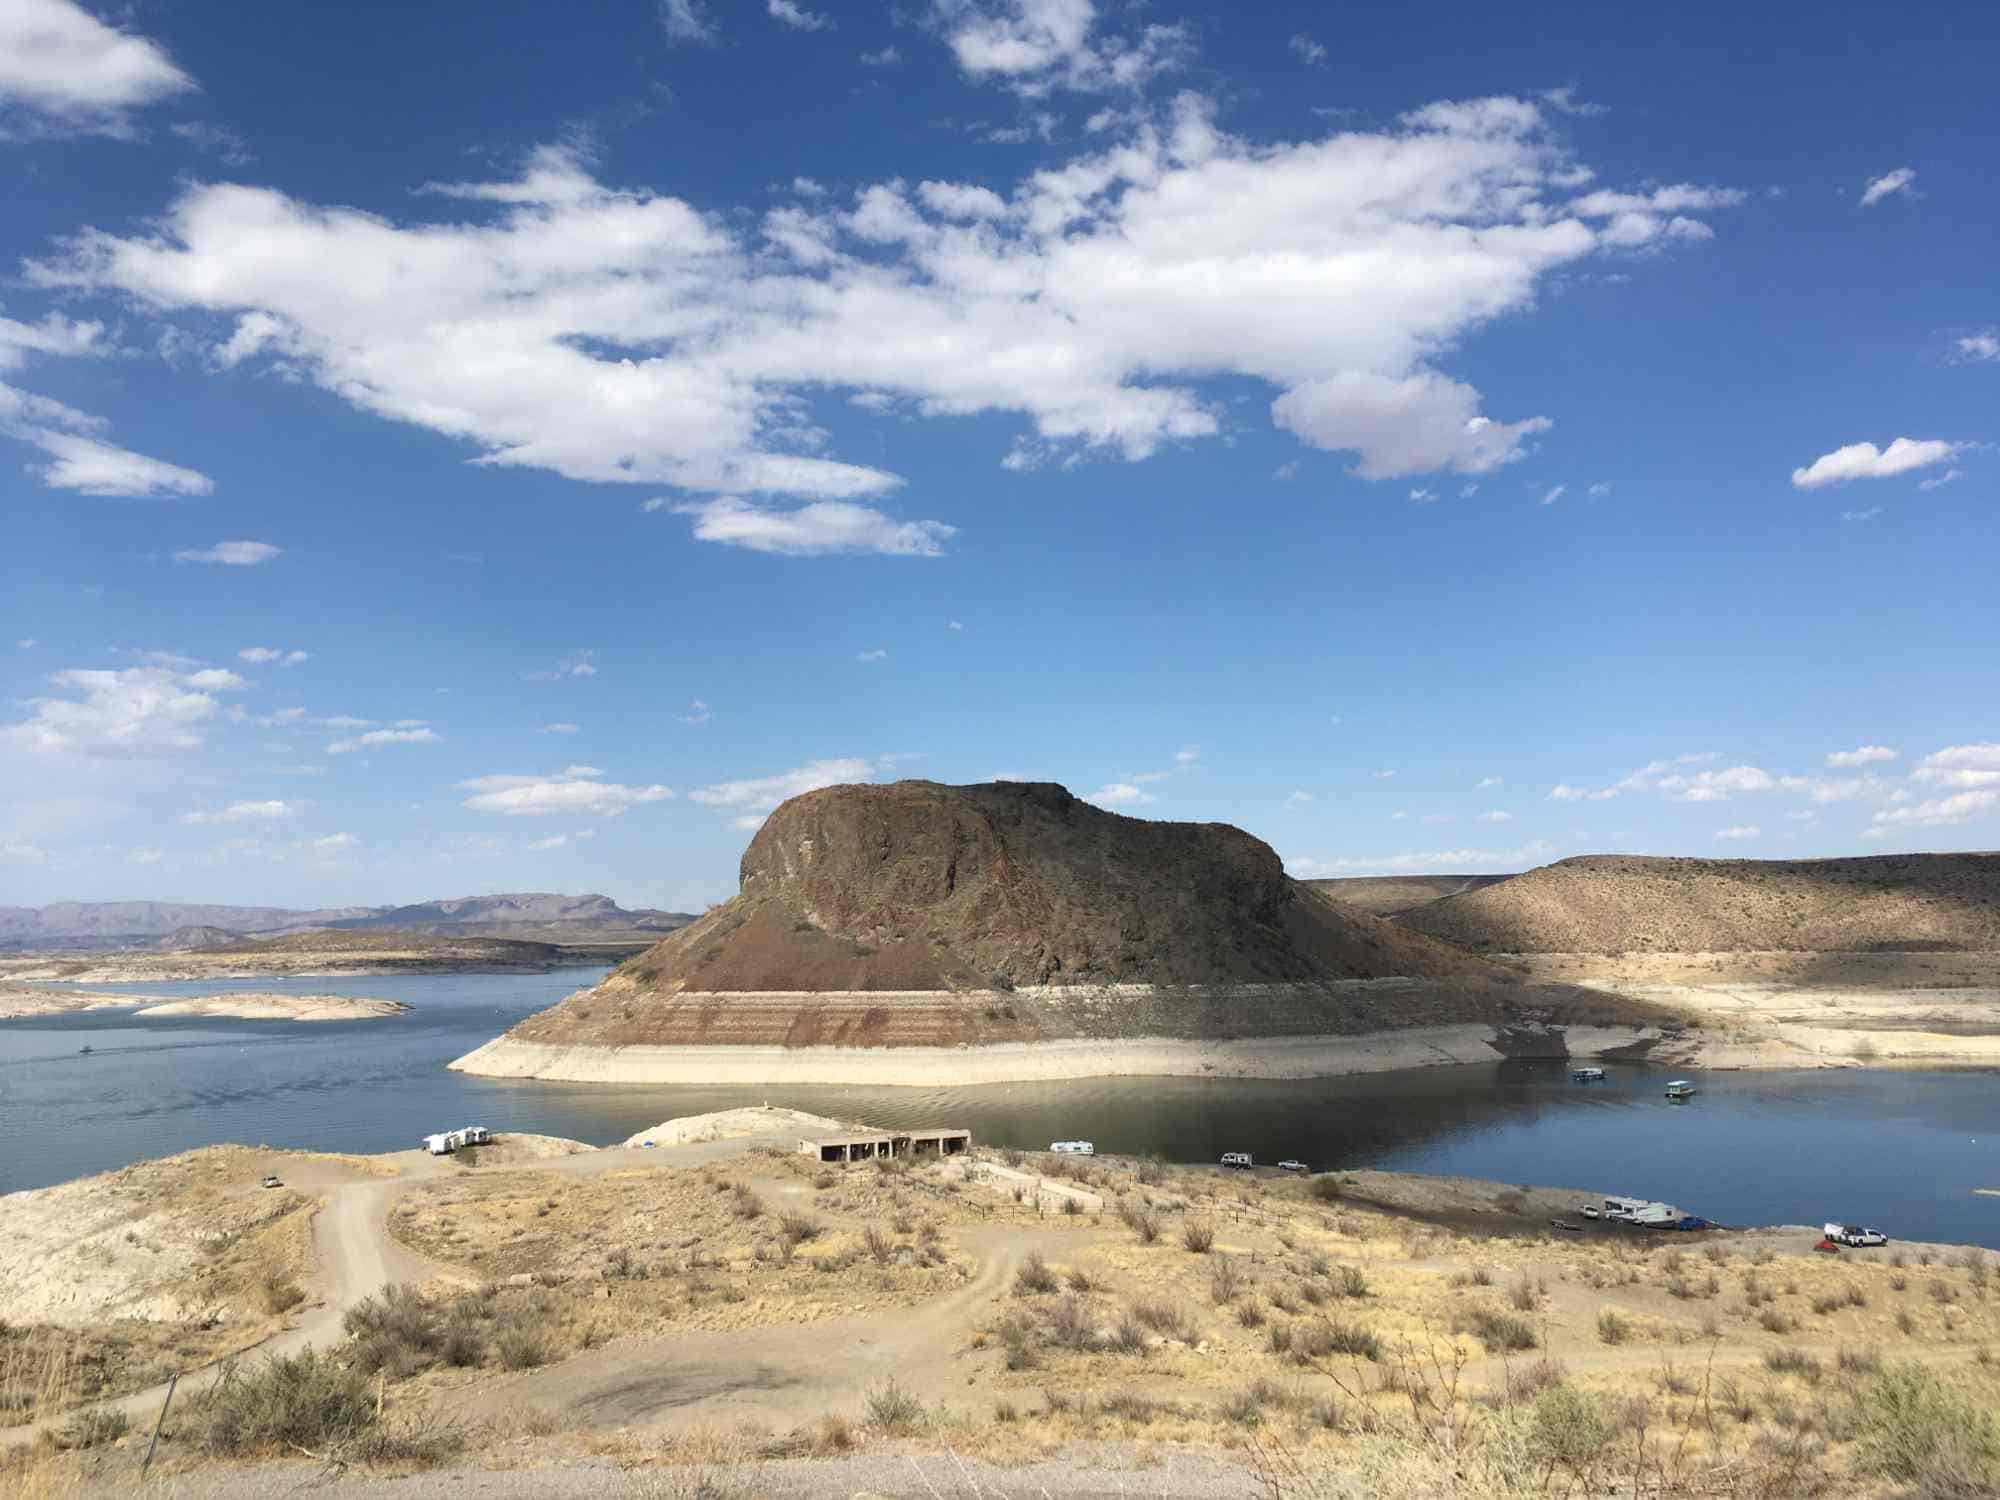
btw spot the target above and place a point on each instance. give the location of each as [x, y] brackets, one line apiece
[1392, 895]
[921, 886]
[1628, 903]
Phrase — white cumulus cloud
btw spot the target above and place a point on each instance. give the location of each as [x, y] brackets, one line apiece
[577, 790]
[231, 554]
[60, 60]
[1938, 812]
[1966, 767]
[760, 794]
[272, 656]
[1977, 348]
[1866, 461]
[620, 335]
[1741, 832]
[1120, 794]
[813, 530]
[1865, 755]
[150, 710]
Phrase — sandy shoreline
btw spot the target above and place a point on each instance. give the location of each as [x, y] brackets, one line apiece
[19, 1002]
[1025, 1062]
[280, 1007]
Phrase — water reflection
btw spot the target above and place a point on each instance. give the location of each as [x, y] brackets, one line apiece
[1902, 1149]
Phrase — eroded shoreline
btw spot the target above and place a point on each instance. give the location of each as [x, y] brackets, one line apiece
[1044, 1061]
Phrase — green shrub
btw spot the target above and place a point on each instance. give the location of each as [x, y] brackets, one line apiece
[1568, 1428]
[1328, 1337]
[306, 1400]
[521, 1348]
[1612, 1328]
[1034, 1278]
[894, 1409]
[1501, 1330]
[1915, 1429]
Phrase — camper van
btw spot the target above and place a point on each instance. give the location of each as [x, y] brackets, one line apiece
[1073, 1148]
[1240, 1160]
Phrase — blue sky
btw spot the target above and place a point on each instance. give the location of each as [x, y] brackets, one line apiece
[451, 449]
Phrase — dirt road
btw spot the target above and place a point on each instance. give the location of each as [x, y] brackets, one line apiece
[355, 1257]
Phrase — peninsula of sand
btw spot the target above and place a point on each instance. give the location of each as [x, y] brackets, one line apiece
[925, 934]
[18, 1002]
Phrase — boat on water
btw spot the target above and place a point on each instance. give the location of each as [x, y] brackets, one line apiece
[1586, 1075]
[1680, 1088]
[85, 1050]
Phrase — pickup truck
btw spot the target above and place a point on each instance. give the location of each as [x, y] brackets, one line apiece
[1855, 1235]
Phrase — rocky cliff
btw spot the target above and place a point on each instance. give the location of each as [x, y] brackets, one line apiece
[917, 914]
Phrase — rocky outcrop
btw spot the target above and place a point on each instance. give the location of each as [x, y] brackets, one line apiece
[917, 915]
[1629, 903]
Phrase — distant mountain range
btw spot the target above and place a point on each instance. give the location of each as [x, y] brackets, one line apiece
[538, 915]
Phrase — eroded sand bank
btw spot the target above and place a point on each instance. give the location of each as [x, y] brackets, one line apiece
[280, 1007]
[1023, 1062]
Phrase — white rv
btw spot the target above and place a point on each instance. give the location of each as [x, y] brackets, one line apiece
[1073, 1148]
[441, 1144]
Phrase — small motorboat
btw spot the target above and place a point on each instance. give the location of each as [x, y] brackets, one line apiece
[1586, 1075]
[1680, 1089]
[85, 1050]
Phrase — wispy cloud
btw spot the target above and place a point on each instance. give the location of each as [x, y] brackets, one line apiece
[1901, 180]
[376, 739]
[576, 790]
[231, 554]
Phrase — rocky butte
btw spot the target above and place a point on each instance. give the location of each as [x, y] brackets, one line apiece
[921, 933]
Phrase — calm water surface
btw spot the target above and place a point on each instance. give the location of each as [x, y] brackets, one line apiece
[1898, 1149]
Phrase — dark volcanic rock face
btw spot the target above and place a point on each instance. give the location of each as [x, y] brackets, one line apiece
[916, 885]
[1023, 880]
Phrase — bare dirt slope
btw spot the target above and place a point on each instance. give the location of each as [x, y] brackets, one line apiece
[1392, 895]
[1627, 903]
[917, 914]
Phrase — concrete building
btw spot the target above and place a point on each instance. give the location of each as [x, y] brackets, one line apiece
[864, 1145]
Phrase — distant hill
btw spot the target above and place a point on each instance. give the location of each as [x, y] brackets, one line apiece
[193, 939]
[534, 915]
[1391, 895]
[1630, 903]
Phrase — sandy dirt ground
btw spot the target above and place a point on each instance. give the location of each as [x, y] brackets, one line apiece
[281, 1007]
[732, 1124]
[1114, 1343]
[1789, 1010]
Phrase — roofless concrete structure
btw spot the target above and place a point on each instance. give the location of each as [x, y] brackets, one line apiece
[864, 1145]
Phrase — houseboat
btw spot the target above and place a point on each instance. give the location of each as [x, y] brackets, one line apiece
[1680, 1089]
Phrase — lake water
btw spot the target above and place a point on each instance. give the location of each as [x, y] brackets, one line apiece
[1901, 1150]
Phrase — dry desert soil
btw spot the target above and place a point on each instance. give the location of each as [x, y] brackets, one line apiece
[729, 1317]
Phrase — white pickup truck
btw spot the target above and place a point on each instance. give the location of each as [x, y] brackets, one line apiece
[1855, 1235]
